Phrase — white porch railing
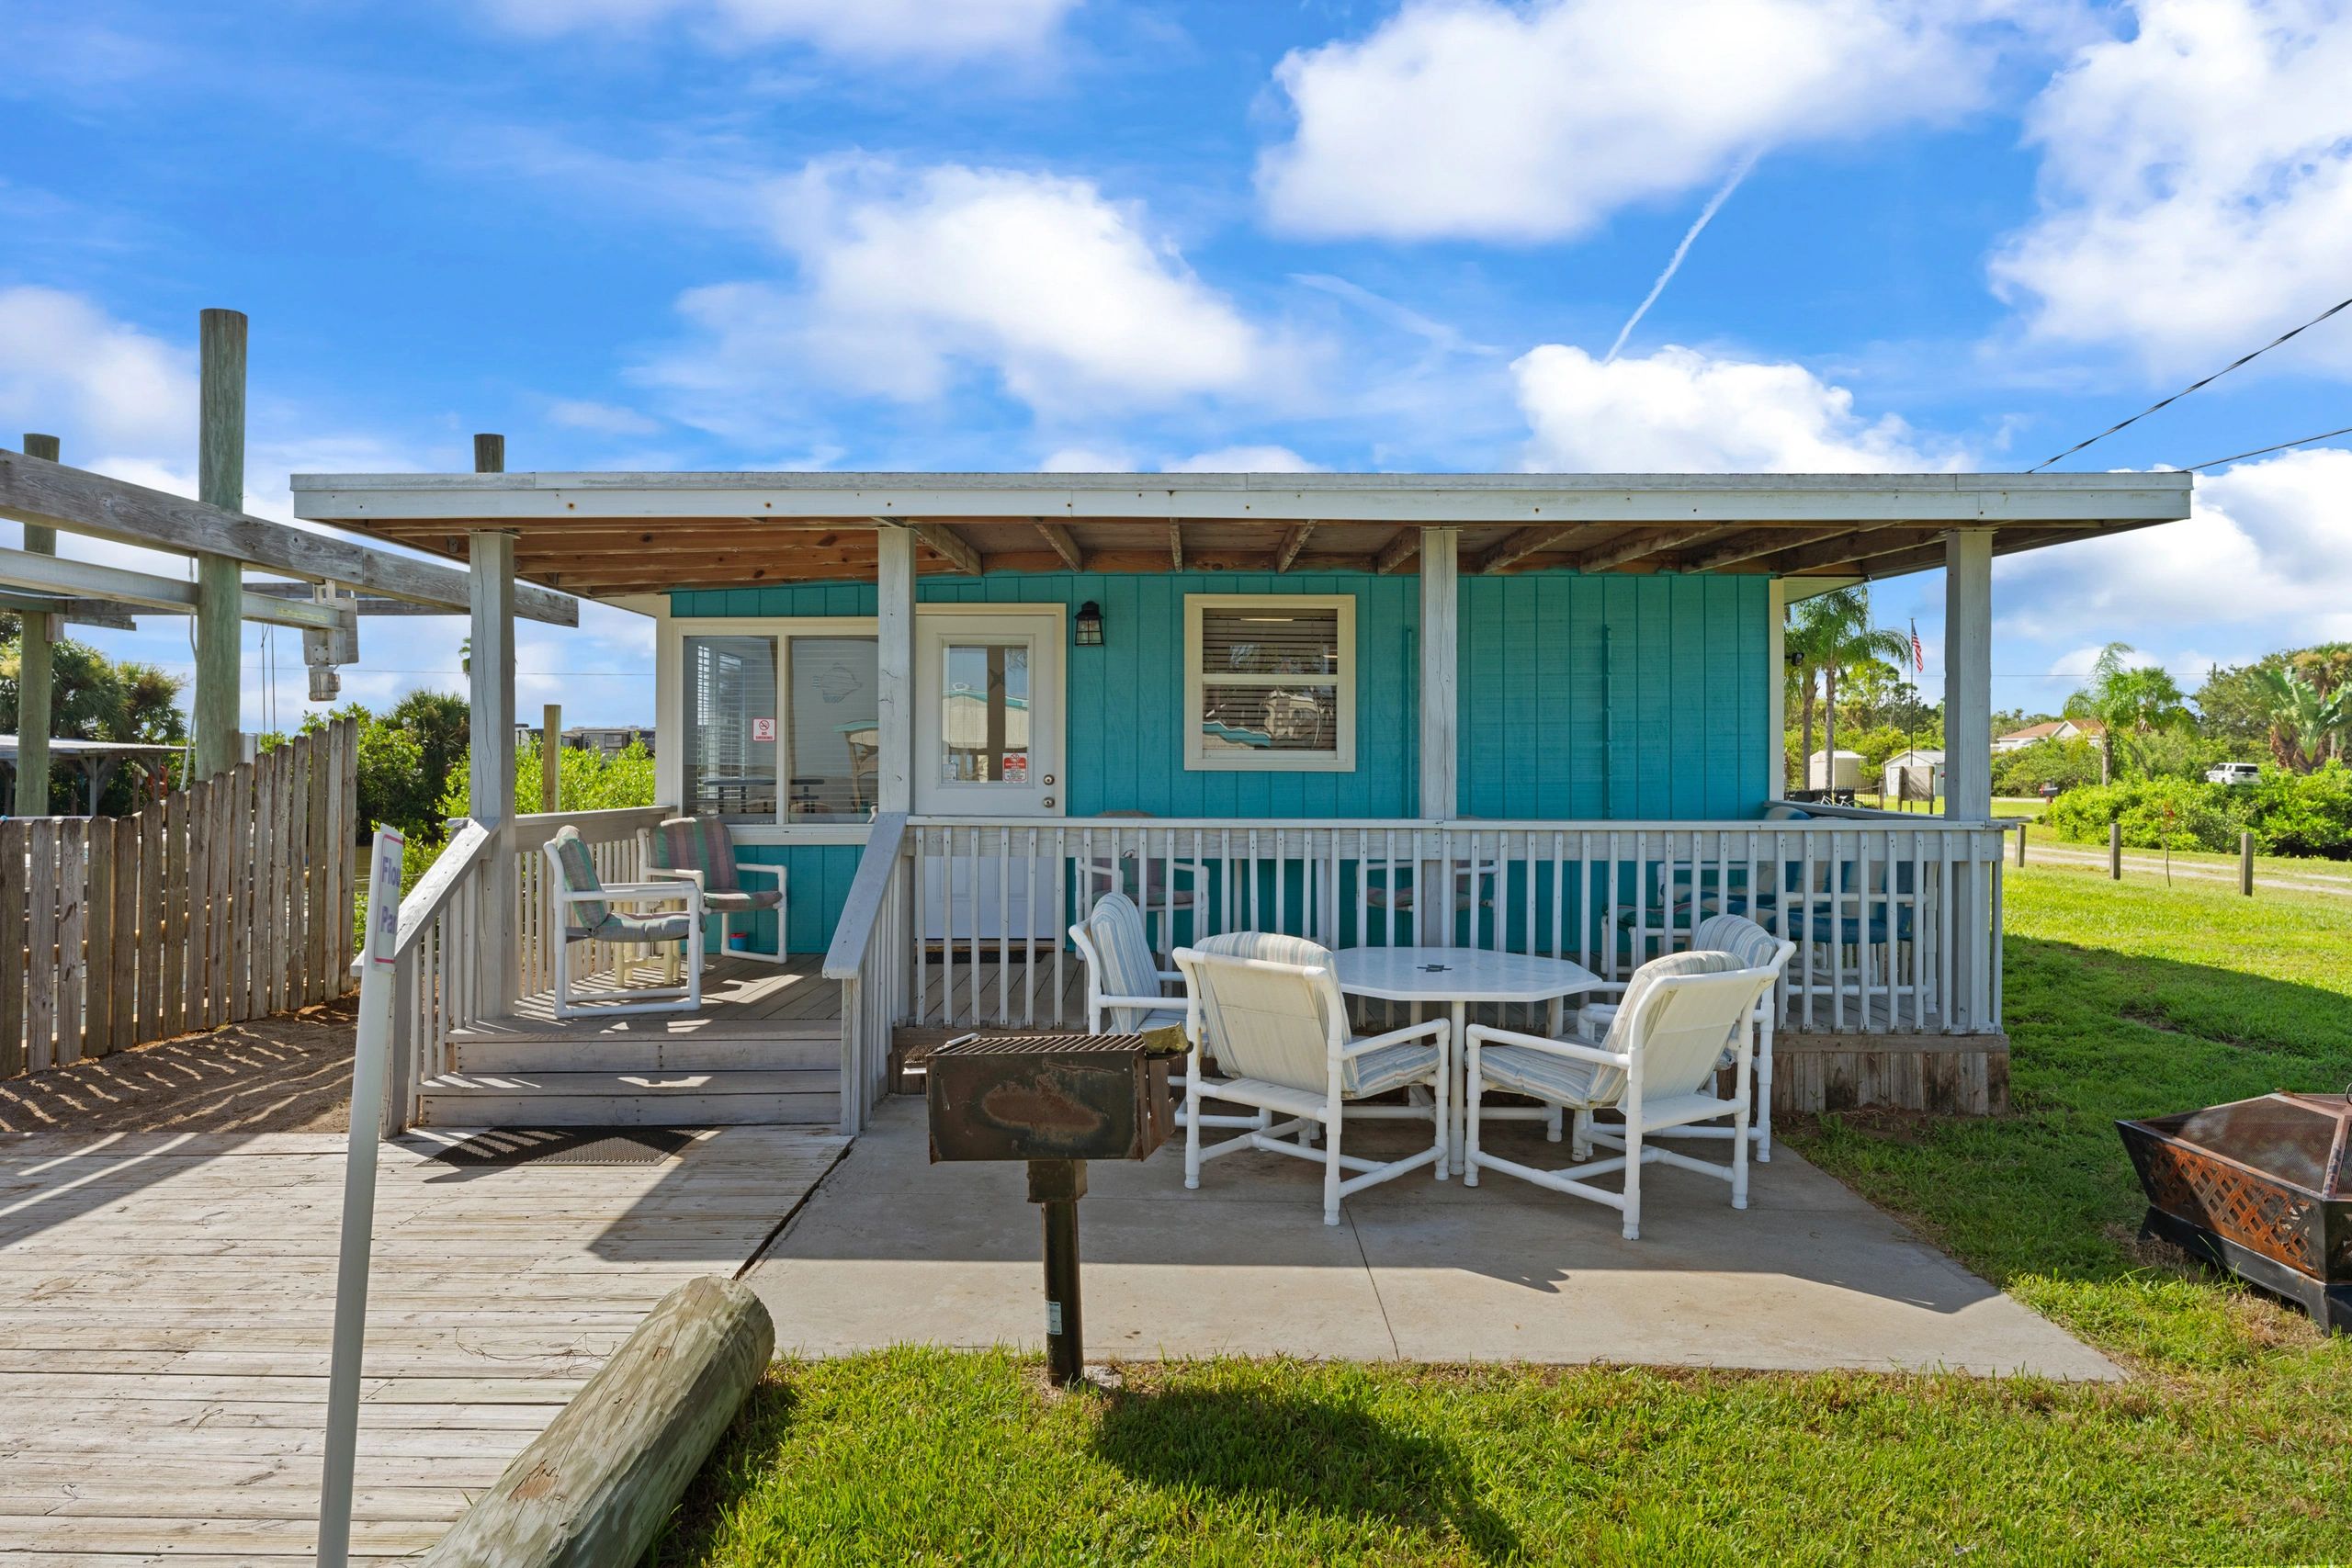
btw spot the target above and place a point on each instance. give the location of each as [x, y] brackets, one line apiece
[1896, 916]
[868, 958]
[439, 981]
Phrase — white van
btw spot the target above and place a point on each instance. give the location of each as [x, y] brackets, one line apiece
[2234, 774]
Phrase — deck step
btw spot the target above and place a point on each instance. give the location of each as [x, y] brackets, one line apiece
[498, 1051]
[680, 1099]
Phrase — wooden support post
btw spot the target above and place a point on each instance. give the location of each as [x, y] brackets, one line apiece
[219, 580]
[1968, 770]
[2021, 828]
[491, 750]
[2245, 864]
[1438, 695]
[34, 681]
[895, 634]
[2115, 851]
[551, 757]
[1776, 690]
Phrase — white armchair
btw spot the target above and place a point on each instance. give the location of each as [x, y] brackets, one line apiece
[583, 911]
[1268, 1009]
[1656, 1067]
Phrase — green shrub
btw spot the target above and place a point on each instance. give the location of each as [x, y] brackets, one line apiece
[2069, 764]
[2288, 814]
[2303, 814]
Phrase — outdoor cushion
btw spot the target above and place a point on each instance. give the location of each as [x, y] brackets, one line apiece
[1755, 947]
[744, 900]
[1270, 1026]
[618, 927]
[581, 921]
[1610, 1082]
[703, 844]
[1524, 1070]
[1129, 969]
[1390, 1066]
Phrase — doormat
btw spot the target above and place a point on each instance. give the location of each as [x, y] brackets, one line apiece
[567, 1145]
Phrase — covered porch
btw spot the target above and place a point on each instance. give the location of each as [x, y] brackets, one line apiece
[954, 710]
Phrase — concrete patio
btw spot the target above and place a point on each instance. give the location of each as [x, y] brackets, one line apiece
[893, 1249]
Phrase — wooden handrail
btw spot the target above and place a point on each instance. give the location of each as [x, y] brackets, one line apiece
[533, 830]
[440, 884]
[854, 930]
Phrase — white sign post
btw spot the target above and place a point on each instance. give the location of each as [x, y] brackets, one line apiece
[369, 1060]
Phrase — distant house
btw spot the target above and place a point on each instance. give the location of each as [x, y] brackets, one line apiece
[2055, 729]
[609, 740]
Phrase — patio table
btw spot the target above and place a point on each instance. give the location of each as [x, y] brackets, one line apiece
[1457, 976]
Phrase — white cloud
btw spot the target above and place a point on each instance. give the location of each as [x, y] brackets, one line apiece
[1243, 461]
[1474, 119]
[912, 281]
[2259, 565]
[1088, 460]
[600, 419]
[1677, 409]
[894, 30]
[104, 388]
[2197, 184]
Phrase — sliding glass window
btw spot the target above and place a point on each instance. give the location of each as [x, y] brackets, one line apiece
[780, 722]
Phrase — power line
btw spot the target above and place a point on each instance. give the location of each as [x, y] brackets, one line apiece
[2217, 462]
[2193, 386]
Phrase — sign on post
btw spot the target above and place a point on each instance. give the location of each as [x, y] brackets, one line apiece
[369, 1060]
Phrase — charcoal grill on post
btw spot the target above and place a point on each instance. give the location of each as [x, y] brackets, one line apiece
[1054, 1100]
[2261, 1188]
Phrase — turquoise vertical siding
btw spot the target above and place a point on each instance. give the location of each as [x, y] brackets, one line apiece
[1581, 697]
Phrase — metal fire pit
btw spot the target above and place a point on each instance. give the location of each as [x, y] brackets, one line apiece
[1054, 1100]
[2259, 1187]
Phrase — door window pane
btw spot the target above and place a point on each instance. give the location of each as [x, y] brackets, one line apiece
[731, 739]
[835, 731]
[984, 712]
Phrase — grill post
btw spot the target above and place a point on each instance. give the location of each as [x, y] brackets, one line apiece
[1055, 1186]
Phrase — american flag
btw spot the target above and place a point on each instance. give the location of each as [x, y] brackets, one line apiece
[1919, 650]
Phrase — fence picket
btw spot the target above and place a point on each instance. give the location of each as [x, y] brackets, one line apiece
[122, 966]
[41, 1006]
[15, 964]
[97, 941]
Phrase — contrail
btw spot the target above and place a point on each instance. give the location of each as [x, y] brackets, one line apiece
[1674, 263]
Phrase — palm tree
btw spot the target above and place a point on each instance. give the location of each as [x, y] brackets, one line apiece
[1832, 633]
[2127, 699]
[2307, 725]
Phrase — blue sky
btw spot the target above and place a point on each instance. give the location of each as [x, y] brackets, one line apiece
[1040, 234]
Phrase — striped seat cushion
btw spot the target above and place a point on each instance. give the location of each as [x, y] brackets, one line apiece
[744, 902]
[1116, 927]
[581, 920]
[1524, 1070]
[698, 843]
[1391, 1067]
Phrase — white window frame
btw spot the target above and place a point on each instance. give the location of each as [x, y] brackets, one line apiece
[1198, 757]
[668, 761]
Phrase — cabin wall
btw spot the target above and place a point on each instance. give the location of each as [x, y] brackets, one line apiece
[1581, 697]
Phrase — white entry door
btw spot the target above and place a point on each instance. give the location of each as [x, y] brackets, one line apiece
[989, 744]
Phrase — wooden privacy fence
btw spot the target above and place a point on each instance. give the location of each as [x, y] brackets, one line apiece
[220, 902]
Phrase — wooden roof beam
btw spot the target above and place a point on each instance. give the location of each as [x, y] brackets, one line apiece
[1398, 551]
[1064, 543]
[1617, 552]
[1858, 545]
[1519, 546]
[945, 543]
[1176, 546]
[56, 496]
[1748, 545]
[1293, 542]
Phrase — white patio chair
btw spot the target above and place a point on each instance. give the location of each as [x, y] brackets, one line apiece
[1755, 948]
[1656, 1067]
[1124, 985]
[582, 907]
[701, 850]
[1268, 1009]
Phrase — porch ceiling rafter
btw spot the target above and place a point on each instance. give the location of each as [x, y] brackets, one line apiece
[1844, 549]
[1058, 536]
[1748, 544]
[1293, 542]
[1656, 541]
[1176, 546]
[1397, 551]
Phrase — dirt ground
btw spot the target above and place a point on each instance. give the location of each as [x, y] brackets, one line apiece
[288, 1073]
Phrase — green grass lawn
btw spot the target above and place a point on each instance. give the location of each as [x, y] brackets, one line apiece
[2233, 1443]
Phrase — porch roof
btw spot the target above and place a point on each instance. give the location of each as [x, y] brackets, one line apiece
[614, 535]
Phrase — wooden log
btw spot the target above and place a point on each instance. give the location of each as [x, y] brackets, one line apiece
[602, 1480]
[14, 965]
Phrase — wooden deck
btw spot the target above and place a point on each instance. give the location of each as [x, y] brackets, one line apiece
[165, 1301]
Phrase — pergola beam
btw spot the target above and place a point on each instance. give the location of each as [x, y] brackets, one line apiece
[53, 495]
[1064, 543]
[80, 612]
[1293, 542]
[63, 577]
